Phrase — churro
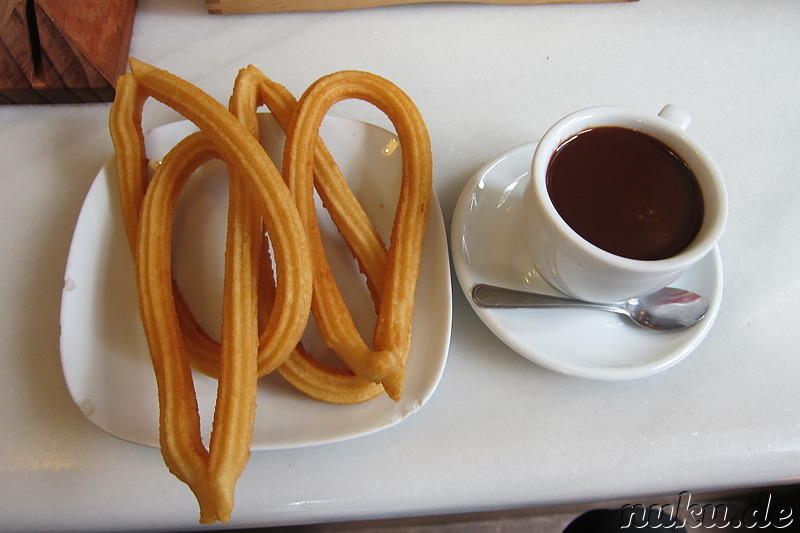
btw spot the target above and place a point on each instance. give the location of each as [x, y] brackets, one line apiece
[212, 473]
[267, 300]
[392, 338]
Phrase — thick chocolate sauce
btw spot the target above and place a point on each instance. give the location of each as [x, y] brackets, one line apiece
[626, 192]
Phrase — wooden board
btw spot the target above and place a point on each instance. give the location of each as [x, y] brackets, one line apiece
[63, 51]
[226, 7]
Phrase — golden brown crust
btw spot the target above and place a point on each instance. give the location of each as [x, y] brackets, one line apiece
[393, 329]
[265, 312]
[212, 473]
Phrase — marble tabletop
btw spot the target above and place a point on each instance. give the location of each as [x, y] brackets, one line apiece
[500, 432]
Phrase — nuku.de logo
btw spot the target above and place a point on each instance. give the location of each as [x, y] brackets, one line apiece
[693, 515]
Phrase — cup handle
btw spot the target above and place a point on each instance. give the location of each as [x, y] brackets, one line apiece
[676, 115]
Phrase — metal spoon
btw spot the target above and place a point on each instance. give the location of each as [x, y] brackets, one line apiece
[666, 309]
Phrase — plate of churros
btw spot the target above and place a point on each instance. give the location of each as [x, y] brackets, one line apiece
[105, 355]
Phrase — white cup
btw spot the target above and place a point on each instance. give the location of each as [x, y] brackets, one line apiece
[582, 270]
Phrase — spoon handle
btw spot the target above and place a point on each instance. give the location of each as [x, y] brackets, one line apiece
[500, 297]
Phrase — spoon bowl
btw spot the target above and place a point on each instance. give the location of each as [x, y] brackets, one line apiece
[668, 309]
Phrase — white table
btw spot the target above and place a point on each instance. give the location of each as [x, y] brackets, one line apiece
[500, 432]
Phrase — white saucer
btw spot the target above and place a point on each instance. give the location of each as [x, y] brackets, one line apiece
[104, 354]
[488, 247]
